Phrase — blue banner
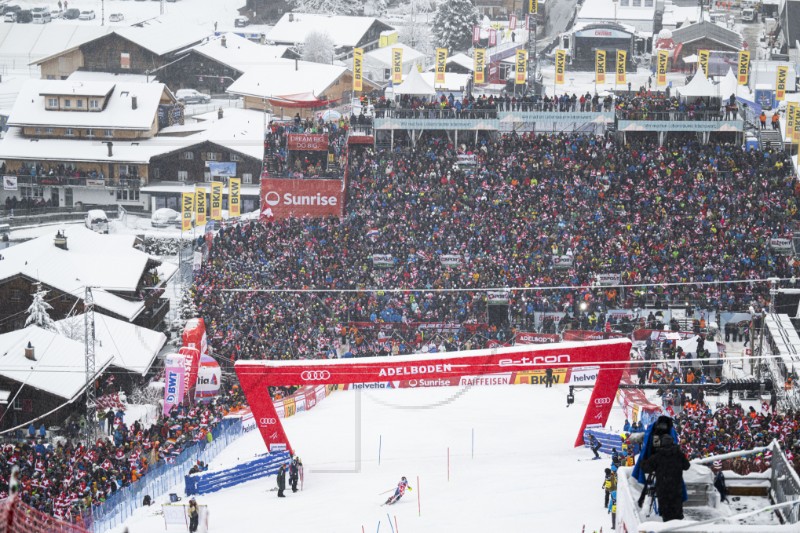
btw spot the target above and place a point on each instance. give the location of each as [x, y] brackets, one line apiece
[221, 169]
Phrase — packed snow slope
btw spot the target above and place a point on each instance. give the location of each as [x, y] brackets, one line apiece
[524, 476]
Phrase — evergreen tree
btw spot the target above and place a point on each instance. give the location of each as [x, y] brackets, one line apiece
[453, 23]
[330, 7]
[37, 312]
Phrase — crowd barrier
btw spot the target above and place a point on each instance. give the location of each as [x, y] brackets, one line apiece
[607, 440]
[163, 478]
[205, 482]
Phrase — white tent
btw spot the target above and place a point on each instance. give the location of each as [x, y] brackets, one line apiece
[699, 86]
[729, 84]
[414, 84]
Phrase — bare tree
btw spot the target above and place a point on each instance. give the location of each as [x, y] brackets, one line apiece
[318, 48]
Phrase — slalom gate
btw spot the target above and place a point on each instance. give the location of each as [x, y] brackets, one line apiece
[610, 356]
[205, 482]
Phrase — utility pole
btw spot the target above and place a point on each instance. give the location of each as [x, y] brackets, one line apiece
[88, 338]
[102, 12]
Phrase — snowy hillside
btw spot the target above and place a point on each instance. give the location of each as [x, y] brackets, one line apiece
[524, 476]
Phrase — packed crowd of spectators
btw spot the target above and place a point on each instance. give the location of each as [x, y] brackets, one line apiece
[685, 212]
[662, 106]
[703, 432]
[67, 476]
[305, 164]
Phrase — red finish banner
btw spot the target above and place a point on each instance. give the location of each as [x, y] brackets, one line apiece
[586, 335]
[307, 141]
[257, 376]
[530, 337]
[195, 346]
[284, 198]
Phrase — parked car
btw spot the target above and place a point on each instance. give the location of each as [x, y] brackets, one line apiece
[40, 15]
[25, 16]
[96, 220]
[87, 14]
[11, 16]
[116, 17]
[191, 96]
[241, 22]
[72, 13]
[165, 218]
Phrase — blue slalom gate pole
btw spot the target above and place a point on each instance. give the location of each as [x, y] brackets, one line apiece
[390, 522]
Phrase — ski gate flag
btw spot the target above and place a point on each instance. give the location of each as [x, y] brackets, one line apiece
[256, 377]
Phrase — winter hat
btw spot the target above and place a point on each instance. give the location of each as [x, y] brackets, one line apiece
[717, 465]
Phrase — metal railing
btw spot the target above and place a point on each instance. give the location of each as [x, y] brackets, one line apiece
[784, 486]
[77, 181]
[635, 114]
[434, 113]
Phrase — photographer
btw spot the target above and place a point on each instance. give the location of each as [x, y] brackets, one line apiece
[667, 462]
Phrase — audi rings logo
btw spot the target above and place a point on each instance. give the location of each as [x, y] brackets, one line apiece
[272, 198]
[267, 421]
[602, 401]
[315, 375]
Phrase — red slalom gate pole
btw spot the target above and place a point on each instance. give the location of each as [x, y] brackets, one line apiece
[396, 527]
[448, 463]
[419, 507]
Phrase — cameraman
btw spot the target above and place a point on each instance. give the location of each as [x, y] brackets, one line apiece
[667, 462]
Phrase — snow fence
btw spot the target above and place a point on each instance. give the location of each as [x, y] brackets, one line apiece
[205, 482]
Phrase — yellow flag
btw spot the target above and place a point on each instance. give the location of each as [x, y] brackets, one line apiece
[702, 60]
[522, 67]
[216, 200]
[622, 57]
[358, 69]
[397, 65]
[200, 205]
[234, 197]
[480, 65]
[533, 7]
[780, 82]
[744, 67]
[790, 110]
[661, 68]
[187, 209]
[797, 124]
[600, 66]
[561, 65]
[441, 64]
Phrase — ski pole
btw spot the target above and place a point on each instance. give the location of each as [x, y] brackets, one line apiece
[390, 522]
[385, 492]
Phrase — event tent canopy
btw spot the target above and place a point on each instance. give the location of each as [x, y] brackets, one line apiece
[699, 86]
[414, 84]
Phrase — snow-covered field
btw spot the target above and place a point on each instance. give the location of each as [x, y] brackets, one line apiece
[524, 475]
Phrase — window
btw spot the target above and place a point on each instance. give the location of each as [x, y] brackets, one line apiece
[90, 133]
[38, 131]
[17, 405]
[69, 131]
[16, 295]
[94, 104]
[212, 156]
[387, 73]
[52, 102]
[49, 131]
[156, 173]
[128, 195]
[247, 178]
[79, 104]
[183, 175]
[67, 103]
[108, 133]
[123, 170]
[187, 155]
[235, 157]
[32, 192]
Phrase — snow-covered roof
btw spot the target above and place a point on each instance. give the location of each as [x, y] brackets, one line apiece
[293, 28]
[729, 84]
[699, 86]
[131, 347]
[178, 188]
[239, 53]
[60, 365]
[34, 43]
[463, 60]
[384, 55]
[162, 37]
[414, 84]
[605, 10]
[90, 75]
[29, 109]
[286, 77]
[103, 262]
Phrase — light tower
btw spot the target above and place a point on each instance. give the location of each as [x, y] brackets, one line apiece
[91, 397]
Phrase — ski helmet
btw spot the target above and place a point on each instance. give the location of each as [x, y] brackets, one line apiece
[403, 478]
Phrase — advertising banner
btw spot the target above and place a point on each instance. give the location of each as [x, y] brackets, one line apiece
[187, 209]
[533, 6]
[200, 204]
[382, 260]
[218, 168]
[744, 67]
[256, 377]
[428, 327]
[660, 335]
[780, 245]
[216, 200]
[476, 34]
[174, 381]
[195, 345]
[234, 197]
[497, 297]
[358, 69]
[209, 375]
[702, 60]
[608, 279]
[522, 67]
[780, 82]
[600, 66]
[562, 261]
[796, 135]
[450, 260]
[531, 337]
[479, 64]
[284, 198]
[512, 22]
[441, 64]
[9, 183]
[661, 68]
[588, 335]
[492, 38]
[789, 133]
[583, 375]
[397, 65]
[537, 377]
[731, 126]
[622, 57]
[308, 141]
[561, 65]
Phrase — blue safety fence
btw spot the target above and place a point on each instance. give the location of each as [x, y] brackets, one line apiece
[607, 439]
[205, 482]
[163, 478]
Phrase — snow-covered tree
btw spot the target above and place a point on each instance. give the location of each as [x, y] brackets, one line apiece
[318, 48]
[186, 310]
[73, 327]
[416, 35]
[331, 7]
[37, 312]
[453, 23]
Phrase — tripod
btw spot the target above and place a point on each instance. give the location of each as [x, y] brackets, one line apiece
[649, 490]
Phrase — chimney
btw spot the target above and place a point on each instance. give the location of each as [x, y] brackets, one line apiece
[224, 42]
[220, 113]
[29, 352]
[61, 240]
[110, 148]
[291, 17]
[296, 64]
[134, 102]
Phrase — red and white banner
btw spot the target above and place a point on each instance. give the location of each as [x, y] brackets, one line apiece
[476, 34]
[307, 141]
[492, 38]
[257, 376]
[512, 22]
[587, 335]
[432, 327]
[661, 335]
[284, 198]
[531, 337]
[174, 381]
[209, 376]
[195, 346]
